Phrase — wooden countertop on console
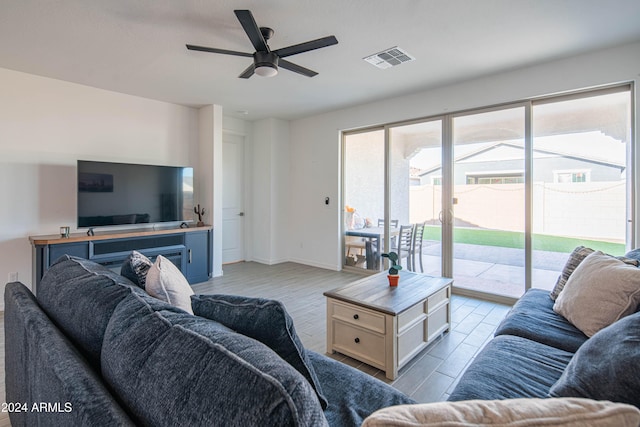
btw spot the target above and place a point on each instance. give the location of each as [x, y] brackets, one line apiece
[82, 237]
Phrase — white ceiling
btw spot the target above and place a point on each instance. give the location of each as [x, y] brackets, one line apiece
[138, 46]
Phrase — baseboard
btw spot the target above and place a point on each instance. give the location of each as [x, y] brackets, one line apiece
[269, 261]
[484, 296]
[316, 264]
[297, 261]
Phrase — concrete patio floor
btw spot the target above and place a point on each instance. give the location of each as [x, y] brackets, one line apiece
[495, 269]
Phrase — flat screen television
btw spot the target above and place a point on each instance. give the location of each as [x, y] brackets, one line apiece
[112, 194]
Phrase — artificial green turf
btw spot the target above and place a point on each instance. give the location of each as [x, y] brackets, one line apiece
[512, 239]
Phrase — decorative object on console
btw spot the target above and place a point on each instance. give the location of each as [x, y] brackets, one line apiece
[200, 213]
[393, 276]
[64, 232]
[166, 282]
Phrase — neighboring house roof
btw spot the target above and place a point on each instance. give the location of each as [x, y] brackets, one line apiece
[594, 147]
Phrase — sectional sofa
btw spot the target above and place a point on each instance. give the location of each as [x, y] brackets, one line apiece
[94, 349]
[101, 351]
[559, 357]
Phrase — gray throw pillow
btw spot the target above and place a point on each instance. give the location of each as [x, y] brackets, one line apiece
[264, 320]
[633, 254]
[605, 367]
[575, 258]
[136, 267]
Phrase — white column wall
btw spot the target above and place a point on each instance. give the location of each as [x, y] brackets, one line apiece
[209, 173]
[270, 215]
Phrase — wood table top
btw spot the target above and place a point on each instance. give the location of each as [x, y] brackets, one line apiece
[105, 235]
[374, 291]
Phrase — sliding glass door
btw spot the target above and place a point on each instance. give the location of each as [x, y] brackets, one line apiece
[415, 197]
[502, 195]
[363, 197]
[489, 201]
[581, 147]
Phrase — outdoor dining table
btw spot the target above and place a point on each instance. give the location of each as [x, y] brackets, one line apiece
[372, 252]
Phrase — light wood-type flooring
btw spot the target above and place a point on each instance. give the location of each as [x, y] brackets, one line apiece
[429, 377]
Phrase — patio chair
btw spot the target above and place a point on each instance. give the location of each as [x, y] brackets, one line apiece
[416, 245]
[394, 224]
[356, 243]
[403, 248]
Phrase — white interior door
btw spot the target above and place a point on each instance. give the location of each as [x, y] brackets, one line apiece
[233, 198]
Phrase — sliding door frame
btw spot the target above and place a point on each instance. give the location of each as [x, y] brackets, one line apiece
[448, 175]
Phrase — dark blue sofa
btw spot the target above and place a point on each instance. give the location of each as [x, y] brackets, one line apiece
[99, 351]
[537, 353]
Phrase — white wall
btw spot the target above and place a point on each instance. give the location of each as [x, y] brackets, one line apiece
[270, 214]
[315, 141]
[46, 125]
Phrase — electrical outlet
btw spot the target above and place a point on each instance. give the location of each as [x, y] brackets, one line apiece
[13, 277]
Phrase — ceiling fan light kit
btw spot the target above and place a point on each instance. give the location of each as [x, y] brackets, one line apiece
[266, 70]
[266, 61]
[265, 64]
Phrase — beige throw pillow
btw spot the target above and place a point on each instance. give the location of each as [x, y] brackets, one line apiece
[600, 291]
[561, 412]
[575, 258]
[166, 282]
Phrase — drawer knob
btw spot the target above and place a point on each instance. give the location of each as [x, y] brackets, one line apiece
[355, 316]
[357, 340]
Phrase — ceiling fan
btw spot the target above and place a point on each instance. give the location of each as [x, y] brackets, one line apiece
[265, 60]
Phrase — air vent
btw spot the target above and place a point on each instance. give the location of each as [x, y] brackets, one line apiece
[389, 58]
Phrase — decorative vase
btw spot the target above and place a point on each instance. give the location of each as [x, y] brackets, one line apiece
[393, 279]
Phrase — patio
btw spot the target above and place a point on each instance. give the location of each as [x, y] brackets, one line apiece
[495, 269]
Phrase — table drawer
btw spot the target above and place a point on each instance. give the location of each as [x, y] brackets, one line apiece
[412, 315]
[438, 321]
[358, 316]
[436, 299]
[411, 342]
[364, 345]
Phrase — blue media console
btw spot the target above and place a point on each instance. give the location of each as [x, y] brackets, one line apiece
[190, 249]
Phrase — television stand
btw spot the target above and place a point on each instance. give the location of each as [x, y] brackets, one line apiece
[190, 249]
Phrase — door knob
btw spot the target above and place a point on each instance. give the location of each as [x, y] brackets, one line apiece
[241, 214]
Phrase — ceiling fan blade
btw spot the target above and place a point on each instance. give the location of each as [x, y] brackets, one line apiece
[251, 28]
[283, 63]
[214, 50]
[307, 46]
[248, 72]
